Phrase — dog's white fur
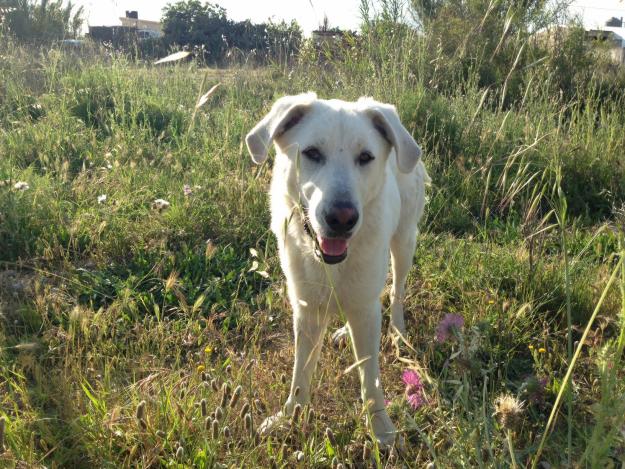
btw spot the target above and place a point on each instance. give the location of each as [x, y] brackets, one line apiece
[389, 195]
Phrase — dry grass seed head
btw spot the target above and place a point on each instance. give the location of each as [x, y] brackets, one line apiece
[245, 408]
[508, 411]
[248, 422]
[310, 417]
[330, 437]
[235, 396]
[140, 412]
[297, 411]
[2, 428]
[260, 407]
[27, 347]
[171, 281]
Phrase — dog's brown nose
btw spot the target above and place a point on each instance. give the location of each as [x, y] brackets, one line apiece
[342, 217]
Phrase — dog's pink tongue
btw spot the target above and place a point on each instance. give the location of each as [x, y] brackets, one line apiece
[333, 246]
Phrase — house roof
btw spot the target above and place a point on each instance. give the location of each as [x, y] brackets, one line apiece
[141, 24]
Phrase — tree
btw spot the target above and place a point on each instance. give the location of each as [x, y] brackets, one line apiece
[193, 23]
[484, 38]
[204, 25]
[41, 21]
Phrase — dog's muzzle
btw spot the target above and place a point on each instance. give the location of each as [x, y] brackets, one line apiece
[328, 250]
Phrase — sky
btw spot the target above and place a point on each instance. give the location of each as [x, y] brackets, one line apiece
[308, 13]
[596, 12]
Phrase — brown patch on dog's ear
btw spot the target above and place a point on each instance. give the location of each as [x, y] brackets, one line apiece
[381, 129]
[292, 122]
[285, 114]
[386, 121]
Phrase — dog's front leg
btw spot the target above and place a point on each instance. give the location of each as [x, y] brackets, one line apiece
[365, 330]
[309, 326]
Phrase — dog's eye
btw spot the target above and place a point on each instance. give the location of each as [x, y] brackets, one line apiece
[313, 154]
[365, 158]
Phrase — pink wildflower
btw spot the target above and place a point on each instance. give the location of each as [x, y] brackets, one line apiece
[414, 389]
[187, 190]
[449, 324]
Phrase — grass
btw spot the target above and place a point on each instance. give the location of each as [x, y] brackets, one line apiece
[121, 324]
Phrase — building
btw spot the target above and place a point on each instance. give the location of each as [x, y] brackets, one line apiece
[131, 30]
[146, 29]
[611, 43]
[327, 38]
[615, 22]
[610, 40]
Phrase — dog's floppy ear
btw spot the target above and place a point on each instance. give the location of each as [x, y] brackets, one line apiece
[285, 113]
[386, 121]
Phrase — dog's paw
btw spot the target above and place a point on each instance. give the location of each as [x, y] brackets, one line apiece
[384, 430]
[340, 337]
[397, 323]
[397, 329]
[273, 424]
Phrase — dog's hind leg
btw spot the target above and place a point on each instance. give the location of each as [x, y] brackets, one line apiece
[402, 252]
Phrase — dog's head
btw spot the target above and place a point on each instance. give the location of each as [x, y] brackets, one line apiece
[337, 154]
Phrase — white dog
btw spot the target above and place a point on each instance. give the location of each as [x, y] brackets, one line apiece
[347, 189]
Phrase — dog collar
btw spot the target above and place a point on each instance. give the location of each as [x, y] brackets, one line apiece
[307, 227]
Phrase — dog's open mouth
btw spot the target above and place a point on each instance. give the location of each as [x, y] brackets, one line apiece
[331, 250]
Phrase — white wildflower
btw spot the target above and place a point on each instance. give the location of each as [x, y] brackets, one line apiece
[160, 205]
[21, 186]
